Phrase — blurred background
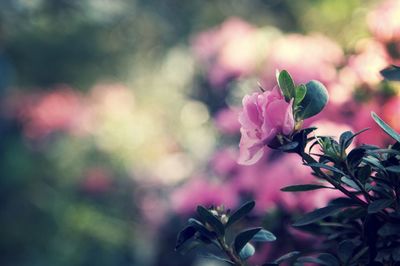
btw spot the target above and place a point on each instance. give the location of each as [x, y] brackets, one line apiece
[118, 117]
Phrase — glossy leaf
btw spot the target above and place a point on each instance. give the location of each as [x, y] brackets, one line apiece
[345, 139]
[244, 237]
[300, 93]
[201, 228]
[286, 84]
[211, 220]
[394, 168]
[247, 251]
[390, 131]
[264, 236]
[287, 256]
[317, 215]
[391, 73]
[314, 101]
[240, 213]
[306, 187]
[184, 235]
[327, 167]
[351, 183]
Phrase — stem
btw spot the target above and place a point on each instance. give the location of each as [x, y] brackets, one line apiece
[365, 193]
[229, 252]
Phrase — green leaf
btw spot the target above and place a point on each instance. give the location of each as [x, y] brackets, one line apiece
[215, 257]
[289, 147]
[390, 131]
[355, 156]
[327, 167]
[247, 251]
[389, 229]
[184, 235]
[287, 256]
[394, 168]
[317, 215]
[243, 237]
[299, 188]
[391, 73]
[211, 219]
[350, 183]
[314, 101]
[264, 236]
[345, 250]
[286, 84]
[300, 93]
[240, 213]
[345, 139]
[329, 259]
[379, 205]
[202, 229]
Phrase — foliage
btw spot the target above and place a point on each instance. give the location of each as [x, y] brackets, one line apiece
[362, 226]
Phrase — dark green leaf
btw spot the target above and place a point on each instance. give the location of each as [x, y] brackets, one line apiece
[329, 259]
[306, 187]
[243, 237]
[350, 183]
[289, 147]
[300, 93]
[389, 229]
[247, 251]
[286, 84]
[317, 215]
[355, 156]
[215, 257]
[379, 205]
[391, 73]
[327, 167]
[287, 256]
[394, 168]
[314, 101]
[202, 229]
[345, 250]
[310, 260]
[188, 246]
[186, 233]
[345, 139]
[240, 213]
[390, 131]
[343, 202]
[211, 219]
[264, 236]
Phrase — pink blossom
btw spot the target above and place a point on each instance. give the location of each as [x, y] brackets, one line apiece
[384, 21]
[226, 121]
[304, 57]
[229, 50]
[224, 161]
[58, 110]
[264, 116]
[200, 190]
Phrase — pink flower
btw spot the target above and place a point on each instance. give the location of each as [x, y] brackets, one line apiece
[226, 121]
[264, 116]
[384, 21]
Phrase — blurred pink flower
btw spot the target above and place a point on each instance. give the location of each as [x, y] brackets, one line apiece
[304, 57]
[370, 58]
[97, 180]
[58, 110]
[226, 121]
[287, 171]
[199, 190]
[224, 160]
[384, 21]
[264, 116]
[227, 51]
